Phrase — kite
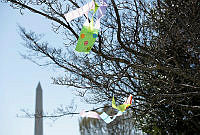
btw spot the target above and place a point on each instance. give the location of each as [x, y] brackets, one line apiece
[89, 32]
[87, 37]
[90, 114]
[124, 106]
[104, 116]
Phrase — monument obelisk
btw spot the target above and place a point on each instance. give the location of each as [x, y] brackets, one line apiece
[38, 111]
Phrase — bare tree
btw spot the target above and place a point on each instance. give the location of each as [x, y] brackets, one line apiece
[149, 50]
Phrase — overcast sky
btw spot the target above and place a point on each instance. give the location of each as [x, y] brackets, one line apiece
[19, 78]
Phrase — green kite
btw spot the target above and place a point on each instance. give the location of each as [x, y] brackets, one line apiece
[88, 34]
[87, 37]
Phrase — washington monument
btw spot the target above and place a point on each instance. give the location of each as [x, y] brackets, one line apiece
[38, 111]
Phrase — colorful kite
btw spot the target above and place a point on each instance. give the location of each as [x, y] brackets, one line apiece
[124, 106]
[87, 37]
[89, 32]
[106, 117]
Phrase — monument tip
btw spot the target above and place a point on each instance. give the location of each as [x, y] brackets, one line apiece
[39, 86]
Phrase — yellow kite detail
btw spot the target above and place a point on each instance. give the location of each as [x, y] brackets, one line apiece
[121, 108]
